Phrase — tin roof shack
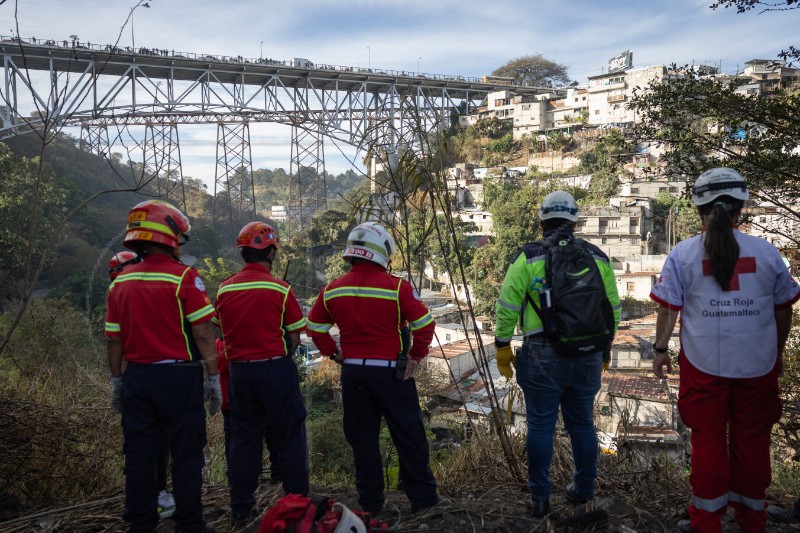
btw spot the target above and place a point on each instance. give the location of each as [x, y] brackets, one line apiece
[469, 398]
[630, 351]
[643, 415]
[456, 359]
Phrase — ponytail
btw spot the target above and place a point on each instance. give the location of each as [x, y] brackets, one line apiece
[720, 243]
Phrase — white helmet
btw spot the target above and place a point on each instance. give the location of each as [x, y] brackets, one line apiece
[719, 182]
[559, 204]
[370, 241]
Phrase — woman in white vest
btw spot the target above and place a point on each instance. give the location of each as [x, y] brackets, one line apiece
[735, 296]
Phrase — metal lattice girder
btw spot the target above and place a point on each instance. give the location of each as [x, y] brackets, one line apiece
[162, 161]
[75, 85]
[233, 179]
[307, 191]
[94, 139]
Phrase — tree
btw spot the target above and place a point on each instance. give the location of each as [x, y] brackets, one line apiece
[215, 271]
[534, 70]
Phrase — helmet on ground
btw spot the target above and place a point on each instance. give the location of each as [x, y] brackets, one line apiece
[116, 264]
[258, 235]
[156, 221]
[370, 241]
[559, 204]
[718, 182]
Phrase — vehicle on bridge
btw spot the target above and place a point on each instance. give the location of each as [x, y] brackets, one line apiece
[498, 80]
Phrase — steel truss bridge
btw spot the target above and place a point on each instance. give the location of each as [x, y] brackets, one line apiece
[100, 87]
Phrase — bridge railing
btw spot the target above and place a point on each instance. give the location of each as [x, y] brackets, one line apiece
[174, 54]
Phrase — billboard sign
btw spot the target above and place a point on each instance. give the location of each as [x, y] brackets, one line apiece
[621, 62]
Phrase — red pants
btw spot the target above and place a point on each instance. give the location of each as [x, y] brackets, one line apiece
[731, 420]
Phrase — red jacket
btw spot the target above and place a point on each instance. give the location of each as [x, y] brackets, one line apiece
[370, 306]
[152, 306]
[255, 310]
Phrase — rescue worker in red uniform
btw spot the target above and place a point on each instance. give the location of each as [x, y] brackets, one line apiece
[371, 307]
[158, 320]
[735, 296]
[261, 323]
[166, 503]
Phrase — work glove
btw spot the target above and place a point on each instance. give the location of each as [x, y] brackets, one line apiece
[212, 394]
[505, 360]
[606, 359]
[116, 394]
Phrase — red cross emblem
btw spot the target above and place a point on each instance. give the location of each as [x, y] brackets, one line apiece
[744, 265]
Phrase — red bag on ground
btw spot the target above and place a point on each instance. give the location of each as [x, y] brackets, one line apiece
[300, 514]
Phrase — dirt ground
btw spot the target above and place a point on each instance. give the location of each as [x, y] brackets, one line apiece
[490, 511]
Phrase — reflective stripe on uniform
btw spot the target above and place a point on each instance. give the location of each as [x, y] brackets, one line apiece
[710, 505]
[363, 292]
[297, 325]
[149, 276]
[254, 285]
[530, 260]
[147, 224]
[112, 328]
[752, 503]
[502, 339]
[509, 306]
[534, 331]
[200, 313]
[421, 322]
[319, 328]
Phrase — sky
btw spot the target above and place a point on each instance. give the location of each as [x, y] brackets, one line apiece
[457, 37]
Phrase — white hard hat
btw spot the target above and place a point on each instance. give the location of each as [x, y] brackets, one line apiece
[370, 241]
[719, 182]
[559, 204]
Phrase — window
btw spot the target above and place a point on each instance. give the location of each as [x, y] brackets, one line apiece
[596, 111]
[630, 286]
[447, 336]
[634, 190]
[603, 240]
[673, 189]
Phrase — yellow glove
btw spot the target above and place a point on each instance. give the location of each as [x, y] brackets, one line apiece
[506, 358]
[606, 365]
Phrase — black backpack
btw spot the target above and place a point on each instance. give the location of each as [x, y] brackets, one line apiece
[579, 318]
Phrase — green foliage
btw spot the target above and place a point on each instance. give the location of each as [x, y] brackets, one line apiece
[505, 145]
[331, 227]
[515, 210]
[335, 266]
[215, 271]
[674, 219]
[331, 457]
[23, 202]
[534, 70]
[604, 185]
[492, 127]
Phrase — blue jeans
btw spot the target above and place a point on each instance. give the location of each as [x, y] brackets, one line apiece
[550, 380]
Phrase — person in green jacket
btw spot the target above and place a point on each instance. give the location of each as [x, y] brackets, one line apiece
[547, 378]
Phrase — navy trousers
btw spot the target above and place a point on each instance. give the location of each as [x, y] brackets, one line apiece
[266, 393]
[369, 392]
[163, 400]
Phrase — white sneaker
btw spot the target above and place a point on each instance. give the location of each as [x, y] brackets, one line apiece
[166, 504]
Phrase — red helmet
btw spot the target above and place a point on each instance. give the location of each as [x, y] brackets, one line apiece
[156, 221]
[114, 265]
[258, 235]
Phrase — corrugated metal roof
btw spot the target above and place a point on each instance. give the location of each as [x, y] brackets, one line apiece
[637, 386]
